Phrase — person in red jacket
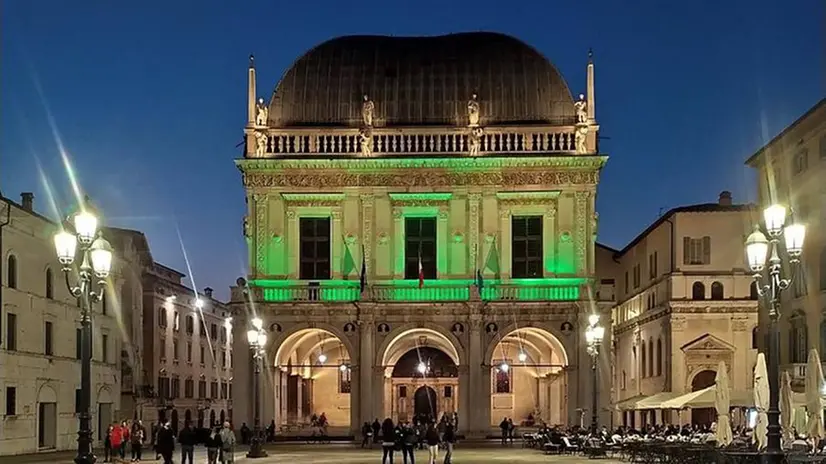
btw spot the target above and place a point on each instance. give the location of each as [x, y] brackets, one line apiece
[116, 439]
[124, 433]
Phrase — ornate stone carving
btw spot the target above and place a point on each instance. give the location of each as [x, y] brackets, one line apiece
[367, 225]
[291, 214]
[383, 238]
[261, 138]
[504, 213]
[443, 214]
[458, 237]
[474, 141]
[473, 232]
[581, 106]
[247, 227]
[678, 324]
[418, 178]
[336, 214]
[550, 211]
[366, 141]
[594, 225]
[260, 201]
[367, 109]
[473, 112]
[581, 231]
[740, 324]
[397, 213]
[581, 139]
[261, 113]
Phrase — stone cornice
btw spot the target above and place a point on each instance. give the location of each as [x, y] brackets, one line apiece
[689, 307]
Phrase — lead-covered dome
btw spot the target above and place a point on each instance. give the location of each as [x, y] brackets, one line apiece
[421, 81]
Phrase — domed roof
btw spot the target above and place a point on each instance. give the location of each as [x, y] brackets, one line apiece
[421, 81]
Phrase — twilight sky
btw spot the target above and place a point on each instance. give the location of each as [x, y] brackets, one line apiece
[149, 98]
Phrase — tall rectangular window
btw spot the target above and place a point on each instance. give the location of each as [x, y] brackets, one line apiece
[202, 358]
[202, 389]
[213, 390]
[344, 381]
[420, 244]
[11, 401]
[11, 331]
[189, 352]
[697, 251]
[188, 388]
[190, 324]
[175, 350]
[47, 333]
[104, 348]
[526, 246]
[314, 248]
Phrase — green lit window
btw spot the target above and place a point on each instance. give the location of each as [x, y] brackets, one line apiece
[420, 243]
[526, 246]
[314, 263]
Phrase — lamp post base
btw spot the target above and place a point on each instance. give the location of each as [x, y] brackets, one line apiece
[256, 449]
[772, 457]
[85, 458]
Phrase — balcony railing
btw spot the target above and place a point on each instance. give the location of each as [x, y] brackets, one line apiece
[277, 291]
[419, 141]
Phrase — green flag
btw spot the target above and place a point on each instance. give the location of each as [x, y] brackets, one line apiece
[492, 261]
[349, 263]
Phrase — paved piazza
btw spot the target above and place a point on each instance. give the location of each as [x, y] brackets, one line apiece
[342, 454]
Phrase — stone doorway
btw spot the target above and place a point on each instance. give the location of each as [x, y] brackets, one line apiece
[425, 404]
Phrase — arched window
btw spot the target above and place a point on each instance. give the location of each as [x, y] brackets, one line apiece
[755, 338]
[11, 272]
[659, 357]
[823, 269]
[716, 291]
[822, 338]
[753, 290]
[698, 291]
[643, 359]
[650, 357]
[49, 285]
[798, 339]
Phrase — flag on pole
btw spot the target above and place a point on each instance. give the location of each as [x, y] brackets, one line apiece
[421, 272]
[349, 264]
[478, 278]
[492, 260]
[363, 276]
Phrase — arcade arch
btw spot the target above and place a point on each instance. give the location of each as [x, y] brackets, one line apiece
[420, 378]
[312, 375]
[528, 377]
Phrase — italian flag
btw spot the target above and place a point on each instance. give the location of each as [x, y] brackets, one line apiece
[421, 273]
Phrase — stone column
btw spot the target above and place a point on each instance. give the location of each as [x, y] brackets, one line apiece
[366, 363]
[465, 405]
[356, 399]
[367, 231]
[398, 244]
[442, 244]
[478, 391]
[549, 237]
[378, 393]
[337, 236]
[582, 237]
[261, 203]
[294, 238]
[503, 245]
[473, 233]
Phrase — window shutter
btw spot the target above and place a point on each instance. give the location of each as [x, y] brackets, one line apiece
[686, 250]
[706, 250]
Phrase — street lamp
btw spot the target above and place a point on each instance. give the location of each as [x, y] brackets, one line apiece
[257, 338]
[770, 282]
[593, 337]
[95, 263]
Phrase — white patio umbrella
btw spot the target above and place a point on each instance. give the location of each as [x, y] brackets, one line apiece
[761, 401]
[814, 404]
[722, 402]
[786, 408]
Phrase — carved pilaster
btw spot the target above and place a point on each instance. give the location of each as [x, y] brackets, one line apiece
[260, 201]
[367, 228]
[581, 236]
[473, 229]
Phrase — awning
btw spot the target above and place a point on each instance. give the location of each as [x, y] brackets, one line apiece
[655, 401]
[705, 399]
[629, 403]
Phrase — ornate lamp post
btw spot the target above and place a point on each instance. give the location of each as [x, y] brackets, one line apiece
[770, 282]
[95, 263]
[257, 339]
[593, 337]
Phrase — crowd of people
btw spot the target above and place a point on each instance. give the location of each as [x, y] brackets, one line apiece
[132, 436]
[406, 436]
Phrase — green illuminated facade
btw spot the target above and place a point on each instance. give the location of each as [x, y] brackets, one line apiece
[350, 200]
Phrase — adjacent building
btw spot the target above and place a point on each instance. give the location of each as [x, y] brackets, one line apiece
[791, 170]
[685, 302]
[421, 235]
[40, 340]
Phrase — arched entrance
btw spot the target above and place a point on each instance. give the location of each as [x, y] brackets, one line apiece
[421, 379]
[175, 421]
[426, 406]
[200, 418]
[528, 378]
[212, 418]
[188, 417]
[312, 376]
[703, 379]
[46, 418]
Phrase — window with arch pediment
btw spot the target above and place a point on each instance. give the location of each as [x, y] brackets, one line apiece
[698, 291]
[49, 284]
[643, 358]
[650, 357]
[717, 291]
[798, 338]
[659, 357]
[11, 271]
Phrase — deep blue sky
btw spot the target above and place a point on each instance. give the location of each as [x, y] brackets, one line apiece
[149, 97]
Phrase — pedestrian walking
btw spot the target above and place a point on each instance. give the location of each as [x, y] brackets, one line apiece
[107, 444]
[227, 437]
[213, 446]
[449, 439]
[388, 441]
[432, 439]
[187, 439]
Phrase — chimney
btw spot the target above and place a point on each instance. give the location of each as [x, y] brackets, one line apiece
[725, 198]
[27, 201]
[208, 292]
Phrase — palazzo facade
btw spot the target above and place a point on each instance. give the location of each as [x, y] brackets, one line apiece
[421, 232]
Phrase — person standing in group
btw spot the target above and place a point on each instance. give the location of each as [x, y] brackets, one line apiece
[186, 438]
[107, 444]
[137, 437]
[388, 441]
[213, 445]
[408, 442]
[432, 439]
[124, 431]
[116, 439]
[449, 438]
[166, 443]
[227, 437]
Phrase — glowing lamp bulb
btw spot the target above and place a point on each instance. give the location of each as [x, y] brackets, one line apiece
[504, 367]
[322, 358]
[422, 368]
[342, 367]
[522, 356]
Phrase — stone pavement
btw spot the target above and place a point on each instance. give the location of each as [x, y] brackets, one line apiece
[347, 454]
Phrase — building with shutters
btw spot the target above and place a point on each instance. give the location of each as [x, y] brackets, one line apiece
[421, 233]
